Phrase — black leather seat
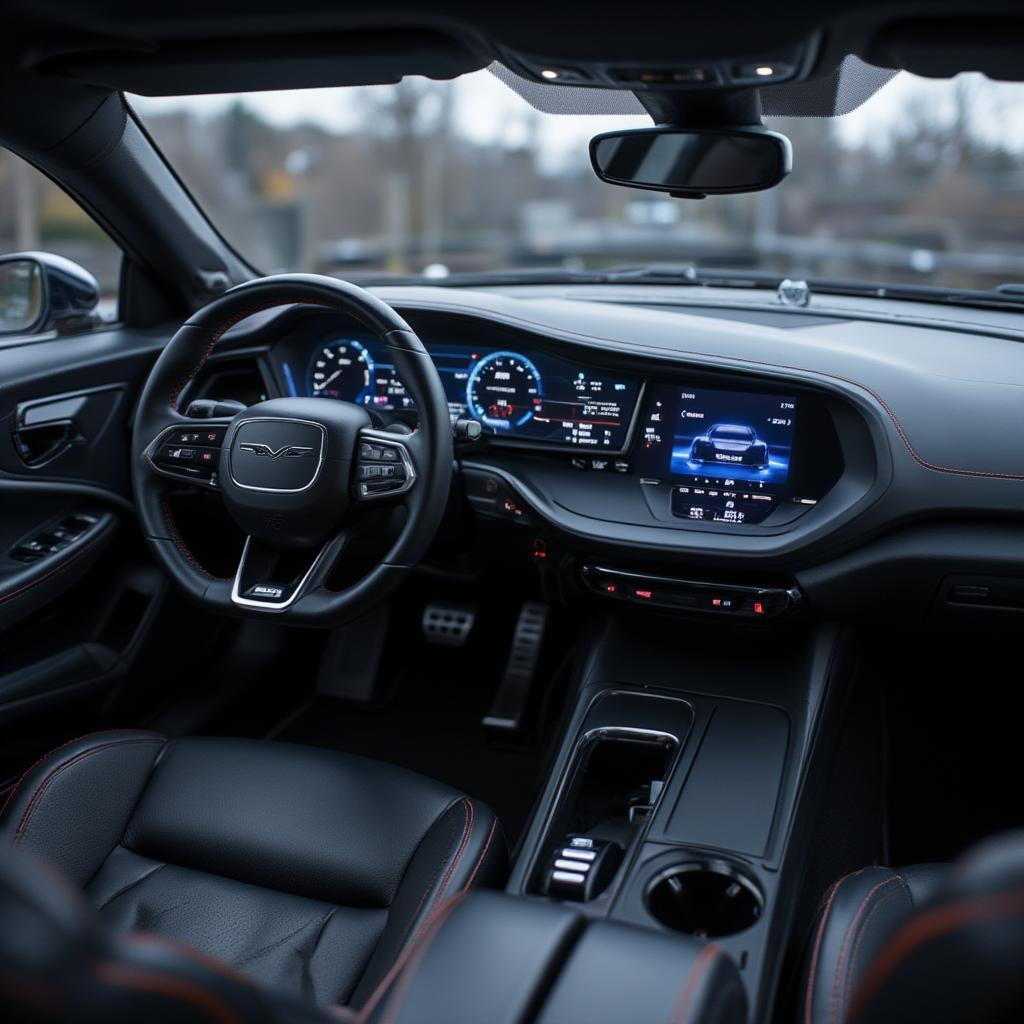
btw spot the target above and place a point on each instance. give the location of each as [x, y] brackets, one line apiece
[931, 943]
[305, 869]
[483, 958]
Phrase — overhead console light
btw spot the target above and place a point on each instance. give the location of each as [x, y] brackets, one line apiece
[792, 63]
[668, 77]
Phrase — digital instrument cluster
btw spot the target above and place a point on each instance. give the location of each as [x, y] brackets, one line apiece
[727, 454]
[529, 396]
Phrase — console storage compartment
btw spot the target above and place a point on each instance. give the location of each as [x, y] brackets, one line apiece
[620, 766]
[510, 960]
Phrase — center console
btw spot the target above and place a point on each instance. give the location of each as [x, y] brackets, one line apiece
[685, 787]
[658, 878]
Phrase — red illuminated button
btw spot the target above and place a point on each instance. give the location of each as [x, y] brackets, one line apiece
[644, 595]
[758, 608]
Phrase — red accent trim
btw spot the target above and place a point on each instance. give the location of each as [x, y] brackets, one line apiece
[848, 935]
[65, 563]
[56, 750]
[424, 935]
[819, 940]
[222, 330]
[482, 857]
[681, 1011]
[864, 931]
[430, 885]
[427, 936]
[466, 833]
[121, 976]
[930, 925]
[59, 768]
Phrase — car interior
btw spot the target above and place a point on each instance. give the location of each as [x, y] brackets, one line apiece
[413, 611]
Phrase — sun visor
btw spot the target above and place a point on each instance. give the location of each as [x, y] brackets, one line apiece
[262, 63]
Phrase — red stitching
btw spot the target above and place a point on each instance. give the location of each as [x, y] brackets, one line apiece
[58, 769]
[467, 831]
[53, 753]
[224, 328]
[693, 979]
[405, 982]
[483, 856]
[57, 568]
[860, 937]
[846, 940]
[819, 940]
[123, 976]
[927, 926]
[430, 885]
[436, 917]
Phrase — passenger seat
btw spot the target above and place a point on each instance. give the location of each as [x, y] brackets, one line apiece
[929, 943]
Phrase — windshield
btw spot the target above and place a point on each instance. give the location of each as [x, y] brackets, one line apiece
[923, 184]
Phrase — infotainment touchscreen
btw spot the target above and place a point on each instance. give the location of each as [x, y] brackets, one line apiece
[727, 453]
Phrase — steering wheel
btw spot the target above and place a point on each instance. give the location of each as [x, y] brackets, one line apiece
[298, 475]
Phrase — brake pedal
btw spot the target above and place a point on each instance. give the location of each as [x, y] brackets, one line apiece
[448, 624]
[509, 705]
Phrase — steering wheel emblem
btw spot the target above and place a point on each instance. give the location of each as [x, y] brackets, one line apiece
[288, 451]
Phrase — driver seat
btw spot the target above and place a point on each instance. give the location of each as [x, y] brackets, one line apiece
[306, 869]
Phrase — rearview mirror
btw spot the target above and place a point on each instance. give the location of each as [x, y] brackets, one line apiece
[40, 291]
[692, 162]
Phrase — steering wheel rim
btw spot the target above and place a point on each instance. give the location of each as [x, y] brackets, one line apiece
[429, 451]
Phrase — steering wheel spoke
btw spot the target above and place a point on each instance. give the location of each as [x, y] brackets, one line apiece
[270, 579]
[385, 465]
[189, 452]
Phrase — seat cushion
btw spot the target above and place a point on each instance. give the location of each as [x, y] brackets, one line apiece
[307, 869]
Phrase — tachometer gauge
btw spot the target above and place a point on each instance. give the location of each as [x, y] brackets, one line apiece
[504, 390]
[342, 369]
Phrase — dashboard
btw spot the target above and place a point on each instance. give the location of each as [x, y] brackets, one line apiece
[523, 395]
[892, 431]
[698, 452]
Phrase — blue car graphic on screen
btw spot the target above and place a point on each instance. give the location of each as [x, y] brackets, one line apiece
[730, 444]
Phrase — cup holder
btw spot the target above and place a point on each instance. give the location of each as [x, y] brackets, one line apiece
[707, 900]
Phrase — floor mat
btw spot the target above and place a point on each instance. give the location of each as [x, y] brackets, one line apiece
[431, 724]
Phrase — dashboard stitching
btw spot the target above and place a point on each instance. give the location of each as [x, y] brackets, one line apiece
[777, 366]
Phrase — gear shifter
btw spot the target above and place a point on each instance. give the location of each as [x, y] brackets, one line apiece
[582, 868]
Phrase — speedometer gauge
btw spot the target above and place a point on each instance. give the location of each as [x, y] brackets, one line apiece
[342, 369]
[504, 390]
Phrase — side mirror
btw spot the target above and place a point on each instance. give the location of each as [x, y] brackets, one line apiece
[692, 162]
[41, 292]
